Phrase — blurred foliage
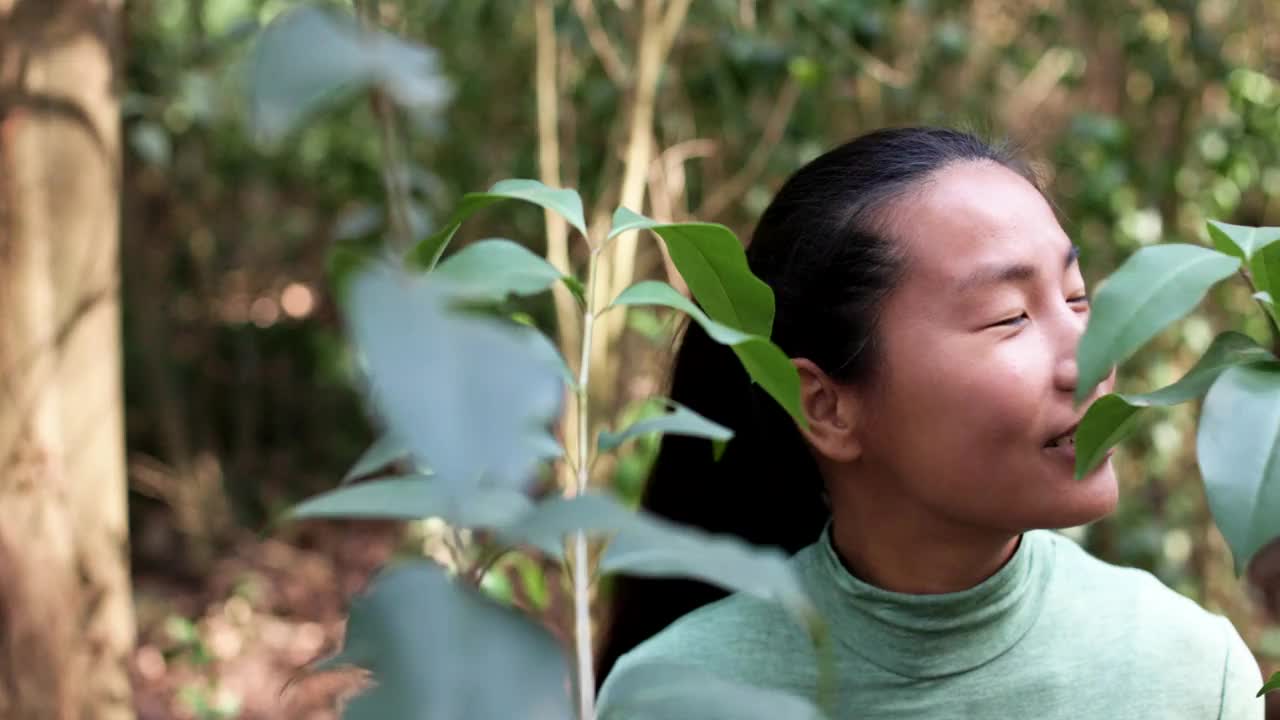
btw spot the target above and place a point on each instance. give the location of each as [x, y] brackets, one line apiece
[1149, 117]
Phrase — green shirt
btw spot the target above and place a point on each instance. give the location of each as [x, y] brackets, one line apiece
[1054, 634]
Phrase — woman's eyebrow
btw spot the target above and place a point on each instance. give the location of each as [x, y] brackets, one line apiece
[1010, 273]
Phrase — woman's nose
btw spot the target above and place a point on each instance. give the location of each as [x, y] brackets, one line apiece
[1070, 328]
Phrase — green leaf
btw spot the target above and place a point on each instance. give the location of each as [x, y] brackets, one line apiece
[681, 421]
[384, 451]
[563, 201]
[713, 264]
[1265, 270]
[471, 397]
[764, 361]
[625, 219]
[493, 269]
[1238, 449]
[1114, 417]
[682, 692]
[1241, 241]
[424, 638]
[1272, 685]
[1154, 287]
[647, 545]
[413, 497]
[288, 80]
[1106, 423]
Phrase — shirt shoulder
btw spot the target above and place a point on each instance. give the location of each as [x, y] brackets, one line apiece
[741, 637]
[1173, 647]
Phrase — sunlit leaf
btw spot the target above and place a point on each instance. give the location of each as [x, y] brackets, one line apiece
[563, 201]
[764, 361]
[1238, 449]
[1154, 287]
[1113, 417]
[471, 397]
[672, 691]
[1241, 241]
[713, 264]
[493, 269]
[680, 421]
[646, 545]
[1272, 685]
[309, 58]
[440, 650]
[413, 497]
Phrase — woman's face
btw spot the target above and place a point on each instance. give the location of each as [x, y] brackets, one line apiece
[978, 359]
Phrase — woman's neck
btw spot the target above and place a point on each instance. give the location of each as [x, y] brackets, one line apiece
[913, 552]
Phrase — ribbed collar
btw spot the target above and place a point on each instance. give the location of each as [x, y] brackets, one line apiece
[931, 636]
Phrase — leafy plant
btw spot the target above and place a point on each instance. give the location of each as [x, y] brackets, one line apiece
[1238, 442]
[477, 408]
[1272, 685]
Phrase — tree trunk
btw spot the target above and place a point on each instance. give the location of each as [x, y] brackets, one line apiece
[66, 621]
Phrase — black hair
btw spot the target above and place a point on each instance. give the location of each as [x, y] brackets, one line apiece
[825, 247]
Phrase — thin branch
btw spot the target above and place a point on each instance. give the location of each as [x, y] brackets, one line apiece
[599, 40]
[639, 149]
[549, 166]
[729, 191]
[1270, 311]
[581, 561]
[394, 173]
[619, 267]
[671, 22]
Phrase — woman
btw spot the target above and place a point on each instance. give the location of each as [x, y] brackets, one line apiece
[933, 305]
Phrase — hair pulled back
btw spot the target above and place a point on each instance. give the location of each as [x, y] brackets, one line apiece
[824, 246]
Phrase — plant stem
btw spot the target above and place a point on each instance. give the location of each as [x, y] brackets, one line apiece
[393, 170]
[1269, 311]
[393, 174]
[581, 560]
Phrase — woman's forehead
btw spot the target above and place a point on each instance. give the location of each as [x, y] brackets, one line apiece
[974, 216]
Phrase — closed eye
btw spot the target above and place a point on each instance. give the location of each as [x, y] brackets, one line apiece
[1079, 300]
[1010, 321]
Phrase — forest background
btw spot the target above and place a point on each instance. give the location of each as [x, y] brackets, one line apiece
[201, 383]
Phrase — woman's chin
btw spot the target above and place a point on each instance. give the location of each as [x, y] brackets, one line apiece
[1083, 501]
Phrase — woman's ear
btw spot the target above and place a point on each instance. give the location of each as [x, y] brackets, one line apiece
[832, 411]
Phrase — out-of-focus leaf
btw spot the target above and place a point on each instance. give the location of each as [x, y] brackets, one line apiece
[1241, 241]
[563, 201]
[683, 692]
[425, 639]
[680, 421]
[384, 451]
[713, 264]
[764, 361]
[646, 545]
[493, 269]
[471, 397]
[1154, 287]
[1113, 417]
[1238, 449]
[413, 497]
[151, 142]
[358, 222]
[311, 57]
